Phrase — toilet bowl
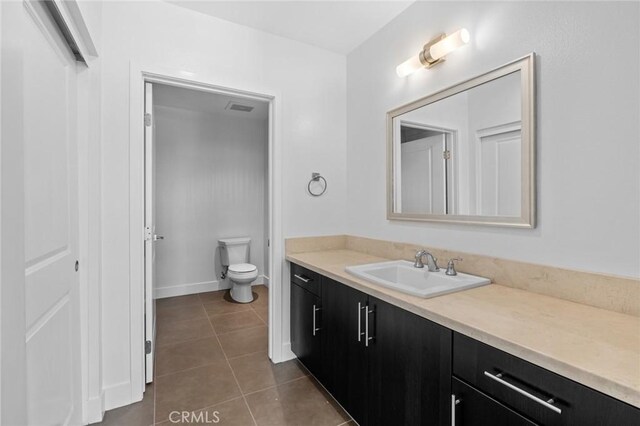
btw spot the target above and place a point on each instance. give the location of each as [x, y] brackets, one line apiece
[241, 276]
[234, 255]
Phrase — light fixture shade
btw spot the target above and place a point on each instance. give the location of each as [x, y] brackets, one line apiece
[433, 52]
[409, 66]
[449, 44]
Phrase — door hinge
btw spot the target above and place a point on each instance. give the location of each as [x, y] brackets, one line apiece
[147, 119]
[446, 154]
[147, 233]
[147, 347]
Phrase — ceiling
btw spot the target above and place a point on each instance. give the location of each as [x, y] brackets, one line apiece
[338, 26]
[208, 103]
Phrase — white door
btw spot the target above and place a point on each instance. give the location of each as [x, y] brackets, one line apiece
[150, 228]
[499, 174]
[44, 98]
[423, 175]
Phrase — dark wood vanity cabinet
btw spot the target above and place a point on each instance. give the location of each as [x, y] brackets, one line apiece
[409, 372]
[383, 364]
[538, 394]
[388, 366]
[343, 350]
[306, 311]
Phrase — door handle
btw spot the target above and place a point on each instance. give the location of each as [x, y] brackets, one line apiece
[158, 237]
[359, 322]
[314, 319]
[454, 402]
[366, 325]
[360, 332]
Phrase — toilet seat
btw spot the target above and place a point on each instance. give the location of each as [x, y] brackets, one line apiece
[242, 273]
[243, 277]
[242, 268]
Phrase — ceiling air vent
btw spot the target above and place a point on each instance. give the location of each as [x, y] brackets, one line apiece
[234, 106]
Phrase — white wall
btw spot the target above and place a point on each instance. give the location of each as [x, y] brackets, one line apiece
[588, 136]
[495, 103]
[311, 96]
[210, 174]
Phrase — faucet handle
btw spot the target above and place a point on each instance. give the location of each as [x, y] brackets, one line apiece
[418, 263]
[451, 267]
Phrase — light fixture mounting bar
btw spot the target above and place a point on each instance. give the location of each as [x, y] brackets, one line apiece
[425, 56]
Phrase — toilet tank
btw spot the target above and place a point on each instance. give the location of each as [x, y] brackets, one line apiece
[234, 250]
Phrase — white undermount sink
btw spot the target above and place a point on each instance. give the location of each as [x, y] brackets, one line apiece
[401, 275]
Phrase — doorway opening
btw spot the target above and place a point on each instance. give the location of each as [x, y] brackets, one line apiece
[208, 176]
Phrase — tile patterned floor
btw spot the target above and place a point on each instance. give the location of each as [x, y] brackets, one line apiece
[211, 360]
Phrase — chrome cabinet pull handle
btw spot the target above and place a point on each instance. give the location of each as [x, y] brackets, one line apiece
[306, 280]
[359, 322]
[366, 326]
[314, 319]
[454, 402]
[548, 403]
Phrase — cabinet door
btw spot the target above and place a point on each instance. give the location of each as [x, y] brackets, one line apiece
[409, 368]
[344, 356]
[470, 407]
[305, 328]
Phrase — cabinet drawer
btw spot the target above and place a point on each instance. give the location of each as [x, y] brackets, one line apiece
[470, 407]
[305, 278]
[539, 394]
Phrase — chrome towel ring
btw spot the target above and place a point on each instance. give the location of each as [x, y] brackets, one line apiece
[317, 177]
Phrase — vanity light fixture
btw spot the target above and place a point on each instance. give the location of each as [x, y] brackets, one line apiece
[433, 52]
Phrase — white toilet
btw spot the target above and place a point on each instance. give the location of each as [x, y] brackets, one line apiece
[234, 254]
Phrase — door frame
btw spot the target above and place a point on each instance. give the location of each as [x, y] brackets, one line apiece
[139, 75]
[13, 358]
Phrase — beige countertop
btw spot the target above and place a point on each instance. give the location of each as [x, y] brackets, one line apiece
[593, 346]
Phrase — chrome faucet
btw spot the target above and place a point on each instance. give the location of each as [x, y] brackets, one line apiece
[432, 262]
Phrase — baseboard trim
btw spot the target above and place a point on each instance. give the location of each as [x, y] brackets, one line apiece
[190, 288]
[193, 288]
[95, 408]
[287, 353]
[117, 396]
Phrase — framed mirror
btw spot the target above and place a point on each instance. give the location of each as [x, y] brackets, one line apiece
[466, 154]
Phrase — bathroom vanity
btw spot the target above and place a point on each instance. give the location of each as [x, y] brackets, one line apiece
[377, 360]
[401, 361]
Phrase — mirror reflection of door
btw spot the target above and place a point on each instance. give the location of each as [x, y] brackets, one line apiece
[498, 170]
[424, 154]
